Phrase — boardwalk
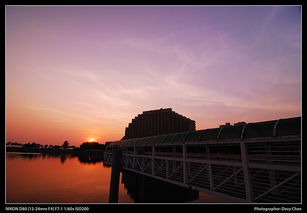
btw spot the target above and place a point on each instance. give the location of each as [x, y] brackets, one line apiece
[264, 169]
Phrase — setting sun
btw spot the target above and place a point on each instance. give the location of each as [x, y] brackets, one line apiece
[91, 139]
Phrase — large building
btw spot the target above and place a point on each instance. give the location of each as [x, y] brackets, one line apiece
[158, 122]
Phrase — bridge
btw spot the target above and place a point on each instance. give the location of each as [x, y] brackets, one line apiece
[253, 163]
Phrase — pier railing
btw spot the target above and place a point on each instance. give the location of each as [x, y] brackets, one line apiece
[261, 170]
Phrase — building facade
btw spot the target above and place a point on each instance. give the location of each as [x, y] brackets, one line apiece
[158, 122]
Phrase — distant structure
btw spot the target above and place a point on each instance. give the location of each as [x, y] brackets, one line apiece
[158, 122]
[236, 124]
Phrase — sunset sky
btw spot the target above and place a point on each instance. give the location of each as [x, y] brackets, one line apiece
[80, 72]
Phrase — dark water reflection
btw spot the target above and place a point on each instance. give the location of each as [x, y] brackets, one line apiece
[83, 178]
[144, 189]
[85, 158]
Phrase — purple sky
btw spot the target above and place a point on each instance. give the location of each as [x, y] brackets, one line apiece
[80, 72]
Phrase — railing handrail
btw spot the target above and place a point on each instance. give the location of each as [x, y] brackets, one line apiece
[220, 141]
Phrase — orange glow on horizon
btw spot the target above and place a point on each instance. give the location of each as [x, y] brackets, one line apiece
[91, 140]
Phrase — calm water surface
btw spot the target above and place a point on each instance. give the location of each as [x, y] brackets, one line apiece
[38, 178]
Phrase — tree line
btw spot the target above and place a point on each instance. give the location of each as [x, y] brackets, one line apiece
[64, 146]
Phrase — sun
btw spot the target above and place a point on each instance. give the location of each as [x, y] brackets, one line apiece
[91, 139]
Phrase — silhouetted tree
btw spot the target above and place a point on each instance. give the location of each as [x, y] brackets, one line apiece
[56, 147]
[65, 144]
[35, 145]
[27, 145]
[92, 145]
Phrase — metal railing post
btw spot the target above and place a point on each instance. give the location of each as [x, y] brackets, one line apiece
[134, 158]
[272, 173]
[174, 153]
[153, 153]
[246, 173]
[184, 155]
[209, 168]
[166, 168]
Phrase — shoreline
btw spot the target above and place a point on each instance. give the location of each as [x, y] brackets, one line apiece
[53, 151]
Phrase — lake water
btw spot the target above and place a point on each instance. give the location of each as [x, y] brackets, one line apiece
[38, 178]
